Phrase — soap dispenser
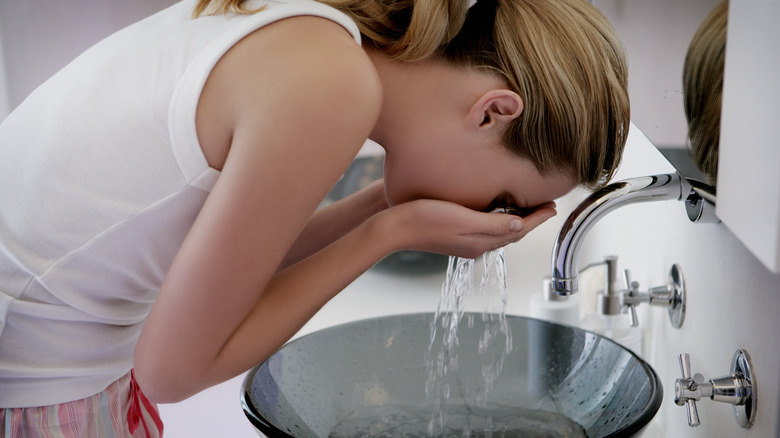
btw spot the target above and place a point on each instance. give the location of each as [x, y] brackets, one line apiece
[548, 306]
[609, 320]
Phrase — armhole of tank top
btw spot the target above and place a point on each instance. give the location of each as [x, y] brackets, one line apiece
[184, 101]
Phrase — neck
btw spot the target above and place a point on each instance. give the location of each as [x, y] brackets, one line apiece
[395, 79]
[424, 87]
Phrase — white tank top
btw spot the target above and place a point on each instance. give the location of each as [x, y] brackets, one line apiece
[101, 177]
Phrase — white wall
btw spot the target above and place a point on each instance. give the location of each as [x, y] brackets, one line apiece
[733, 300]
[37, 38]
[5, 105]
[749, 144]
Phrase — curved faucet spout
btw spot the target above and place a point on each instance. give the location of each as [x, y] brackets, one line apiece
[567, 246]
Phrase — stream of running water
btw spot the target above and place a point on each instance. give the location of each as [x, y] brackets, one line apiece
[482, 279]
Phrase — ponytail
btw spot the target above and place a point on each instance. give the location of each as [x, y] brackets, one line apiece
[405, 30]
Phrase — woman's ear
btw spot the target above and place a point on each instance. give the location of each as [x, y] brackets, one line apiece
[495, 108]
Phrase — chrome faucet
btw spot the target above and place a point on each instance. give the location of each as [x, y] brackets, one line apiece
[699, 202]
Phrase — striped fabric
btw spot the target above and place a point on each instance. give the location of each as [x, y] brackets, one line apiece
[121, 411]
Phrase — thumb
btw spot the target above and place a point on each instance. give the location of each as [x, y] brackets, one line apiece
[503, 223]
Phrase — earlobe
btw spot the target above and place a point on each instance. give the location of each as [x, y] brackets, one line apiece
[496, 107]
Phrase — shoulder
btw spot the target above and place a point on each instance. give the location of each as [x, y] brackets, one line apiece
[304, 57]
[306, 68]
[310, 52]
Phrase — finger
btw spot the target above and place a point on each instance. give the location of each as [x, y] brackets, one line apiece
[550, 204]
[538, 217]
[499, 238]
[478, 223]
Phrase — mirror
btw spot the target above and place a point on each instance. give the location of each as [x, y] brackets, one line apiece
[702, 80]
[658, 36]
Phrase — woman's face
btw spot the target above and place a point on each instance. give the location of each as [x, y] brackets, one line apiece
[478, 176]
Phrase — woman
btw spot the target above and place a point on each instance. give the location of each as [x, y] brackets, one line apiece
[164, 233]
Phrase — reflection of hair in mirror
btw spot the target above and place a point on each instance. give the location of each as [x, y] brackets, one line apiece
[703, 86]
[562, 57]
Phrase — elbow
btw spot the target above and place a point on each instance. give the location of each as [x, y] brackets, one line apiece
[160, 382]
[159, 391]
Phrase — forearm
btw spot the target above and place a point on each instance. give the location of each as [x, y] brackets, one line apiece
[294, 295]
[334, 221]
[190, 344]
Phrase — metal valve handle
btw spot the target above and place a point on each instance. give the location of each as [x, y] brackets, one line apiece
[613, 300]
[671, 295]
[632, 290]
[737, 389]
[685, 390]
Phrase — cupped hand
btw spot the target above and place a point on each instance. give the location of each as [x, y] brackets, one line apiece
[448, 228]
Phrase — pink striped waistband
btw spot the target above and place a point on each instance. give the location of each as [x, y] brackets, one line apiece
[120, 411]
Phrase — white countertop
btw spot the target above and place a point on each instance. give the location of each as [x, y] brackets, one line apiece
[217, 411]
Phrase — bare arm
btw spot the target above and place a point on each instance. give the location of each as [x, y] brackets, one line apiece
[331, 222]
[295, 294]
[307, 101]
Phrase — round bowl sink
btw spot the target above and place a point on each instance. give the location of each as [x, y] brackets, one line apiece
[368, 379]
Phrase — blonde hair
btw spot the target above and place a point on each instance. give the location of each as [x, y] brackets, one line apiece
[703, 87]
[222, 7]
[561, 56]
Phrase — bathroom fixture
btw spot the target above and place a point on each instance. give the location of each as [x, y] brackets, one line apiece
[737, 388]
[613, 301]
[699, 203]
[369, 378]
[548, 306]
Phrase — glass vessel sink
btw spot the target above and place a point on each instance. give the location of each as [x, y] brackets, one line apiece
[368, 379]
